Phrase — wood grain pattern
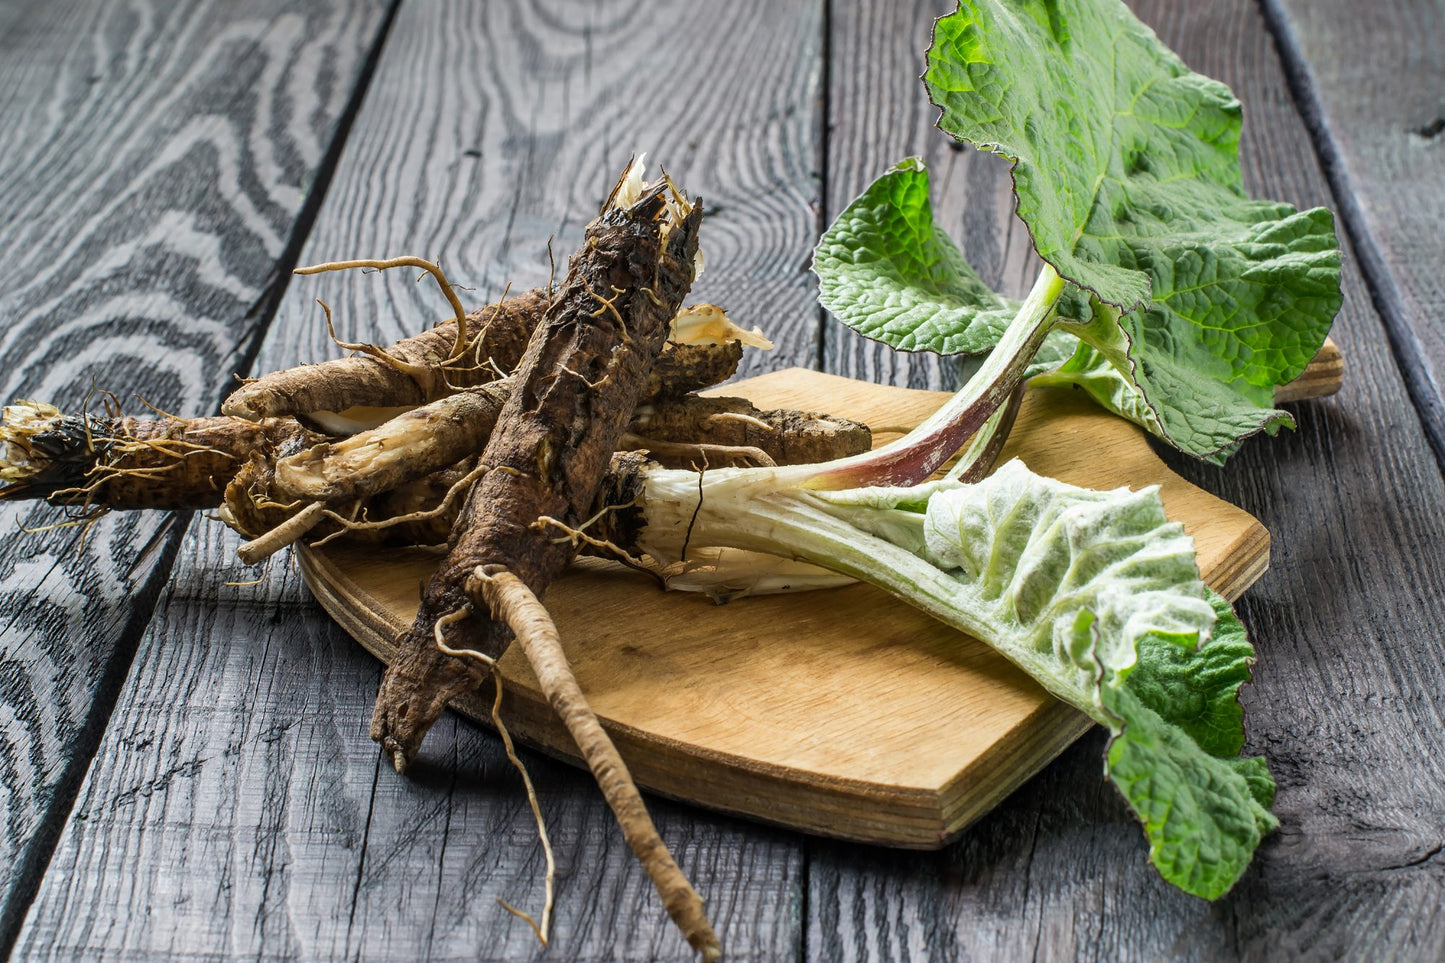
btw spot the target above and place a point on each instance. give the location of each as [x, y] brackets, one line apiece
[913, 730]
[487, 128]
[230, 813]
[517, 138]
[1372, 84]
[1322, 377]
[1345, 702]
[157, 159]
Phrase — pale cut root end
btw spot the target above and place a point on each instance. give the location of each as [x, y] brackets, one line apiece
[513, 603]
[20, 423]
[710, 324]
[633, 186]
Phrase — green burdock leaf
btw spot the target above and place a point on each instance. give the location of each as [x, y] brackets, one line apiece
[1072, 578]
[1198, 690]
[1193, 301]
[1096, 595]
[1186, 406]
[1177, 757]
[886, 270]
[1126, 171]
[1203, 814]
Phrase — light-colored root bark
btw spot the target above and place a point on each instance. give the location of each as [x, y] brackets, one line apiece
[512, 602]
[264, 546]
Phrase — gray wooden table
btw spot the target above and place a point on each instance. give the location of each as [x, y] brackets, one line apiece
[184, 765]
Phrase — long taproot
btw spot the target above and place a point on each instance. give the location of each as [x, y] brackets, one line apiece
[575, 390]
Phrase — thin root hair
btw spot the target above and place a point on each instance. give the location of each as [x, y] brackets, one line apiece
[351, 525]
[541, 929]
[370, 350]
[428, 267]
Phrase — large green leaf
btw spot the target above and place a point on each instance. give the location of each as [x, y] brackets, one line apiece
[925, 297]
[1096, 595]
[1037, 554]
[1198, 690]
[1179, 392]
[1126, 172]
[885, 270]
[1125, 162]
[1203, 814]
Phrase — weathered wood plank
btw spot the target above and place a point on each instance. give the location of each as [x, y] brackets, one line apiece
[157, 160]
[1371, 80]
[482, 173]
[237, 808]
[1346, 699]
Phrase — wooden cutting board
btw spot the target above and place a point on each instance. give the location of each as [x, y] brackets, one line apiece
[842, 712]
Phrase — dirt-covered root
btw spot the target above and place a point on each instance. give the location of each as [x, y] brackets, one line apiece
[426, 439]
[677, 431]
[416, 370]
[396, 485]
[422, 513]
[390, 472]
[420, 679]
[123, 463]
[419, 513]
[426, 367]
[576, 388]
[246, 504]
[786, 436]
[684, 368]
[513, 604]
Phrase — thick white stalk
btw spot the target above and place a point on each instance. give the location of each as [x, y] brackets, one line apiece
[771, 510]
[725, 508]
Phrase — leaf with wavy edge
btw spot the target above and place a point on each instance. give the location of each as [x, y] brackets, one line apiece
[1126, 172]
[888, 272]
[1096, 595]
